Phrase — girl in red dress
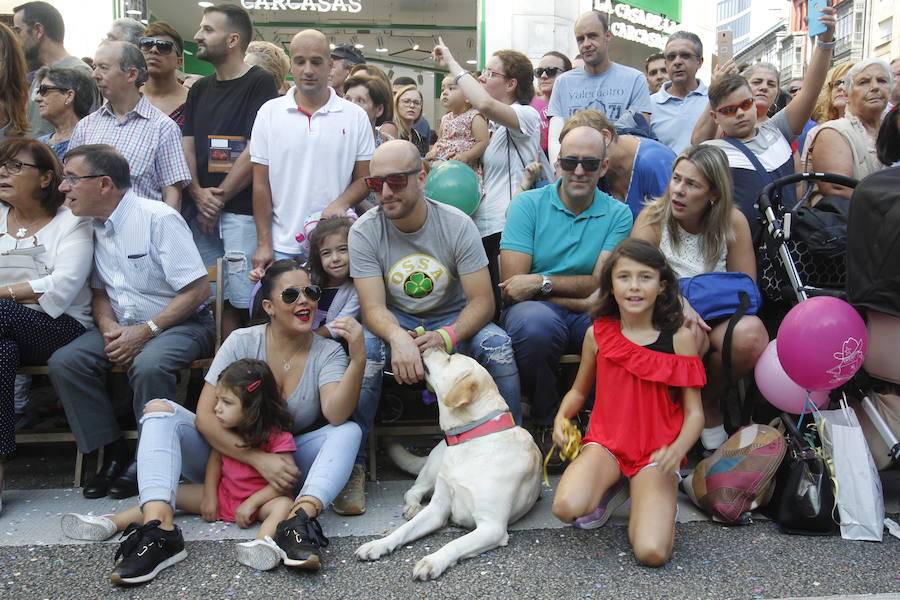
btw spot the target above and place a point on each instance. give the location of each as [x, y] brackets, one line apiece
[647, 411]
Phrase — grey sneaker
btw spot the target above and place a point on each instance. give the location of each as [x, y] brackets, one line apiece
[87, 527]
[352, 499]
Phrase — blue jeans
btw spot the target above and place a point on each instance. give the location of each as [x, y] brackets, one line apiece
[171, 447]
[491, 347]
[239, 243]
[541, 333]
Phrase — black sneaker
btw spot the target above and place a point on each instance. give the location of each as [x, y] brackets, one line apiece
[146, 550]
[543, 437]
[301, 539]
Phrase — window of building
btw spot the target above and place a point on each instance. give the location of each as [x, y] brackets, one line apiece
[885, 30]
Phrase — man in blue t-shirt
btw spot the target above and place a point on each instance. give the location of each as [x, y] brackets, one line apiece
[601, 84]
[554, 243]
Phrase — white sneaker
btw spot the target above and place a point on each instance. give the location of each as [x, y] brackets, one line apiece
[86, 527]
[262, 555]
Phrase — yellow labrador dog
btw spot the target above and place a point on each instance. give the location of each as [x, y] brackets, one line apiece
[485, 474]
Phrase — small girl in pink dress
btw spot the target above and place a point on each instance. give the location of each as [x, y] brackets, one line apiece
[463, 133]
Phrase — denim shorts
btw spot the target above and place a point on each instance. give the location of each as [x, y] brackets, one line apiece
[239, 241]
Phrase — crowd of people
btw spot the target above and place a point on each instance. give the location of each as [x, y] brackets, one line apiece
[123, 179]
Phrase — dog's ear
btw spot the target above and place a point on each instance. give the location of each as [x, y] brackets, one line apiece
[462, 392]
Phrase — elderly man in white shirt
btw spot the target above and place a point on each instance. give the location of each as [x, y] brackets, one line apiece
[150, 294]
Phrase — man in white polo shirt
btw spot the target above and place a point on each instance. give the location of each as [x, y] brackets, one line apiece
[310, 150]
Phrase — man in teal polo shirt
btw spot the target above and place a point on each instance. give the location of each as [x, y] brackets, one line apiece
[554, 243]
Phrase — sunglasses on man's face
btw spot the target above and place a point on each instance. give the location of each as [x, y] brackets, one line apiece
[733, 108]
[146, 44]
[550, 71]
[570, 163]
[310, 292]
[395, 181]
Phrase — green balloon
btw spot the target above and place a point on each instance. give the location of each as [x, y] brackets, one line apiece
[455, 183]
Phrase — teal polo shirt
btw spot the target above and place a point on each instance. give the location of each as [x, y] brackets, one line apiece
[559, 242]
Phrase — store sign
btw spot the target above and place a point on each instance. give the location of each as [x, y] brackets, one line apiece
[353, 6]
[637, 25]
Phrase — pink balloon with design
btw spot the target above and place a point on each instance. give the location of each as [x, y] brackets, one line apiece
[779, 389]
[822, 343]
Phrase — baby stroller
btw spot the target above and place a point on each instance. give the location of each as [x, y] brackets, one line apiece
[872, 280]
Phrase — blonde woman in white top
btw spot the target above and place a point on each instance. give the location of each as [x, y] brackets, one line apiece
[699, 230]
[45, 259]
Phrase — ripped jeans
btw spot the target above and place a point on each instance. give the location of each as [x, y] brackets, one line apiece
[491, 347]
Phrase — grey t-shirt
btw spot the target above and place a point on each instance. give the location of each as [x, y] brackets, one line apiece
[39, 126]
[325, 364]
[421, 270]
[611, 92]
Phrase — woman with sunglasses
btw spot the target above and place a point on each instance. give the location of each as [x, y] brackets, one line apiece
[699, 230]
[551, 65]
[163, 48]
[64, 97]
[758, 153]
[320, 386]
[46, 255]
[408, 103]
[830, 105]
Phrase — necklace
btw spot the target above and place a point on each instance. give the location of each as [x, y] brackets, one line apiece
[20, 233]
[288, 364]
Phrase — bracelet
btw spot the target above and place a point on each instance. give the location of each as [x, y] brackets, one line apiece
[826, 45]
[12, 294]
[460, 76]
[448, 343]
[451, 332]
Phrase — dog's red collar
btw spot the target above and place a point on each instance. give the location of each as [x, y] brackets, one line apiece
[499, 423]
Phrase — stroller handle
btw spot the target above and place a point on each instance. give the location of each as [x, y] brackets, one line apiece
[765, 202]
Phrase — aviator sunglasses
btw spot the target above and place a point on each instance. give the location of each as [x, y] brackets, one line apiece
[395, 181]
[162, 46]
[570, 163]
[550, 71]
[291, 294]
[733, 108]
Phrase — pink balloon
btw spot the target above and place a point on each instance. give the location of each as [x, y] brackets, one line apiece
[822, 343]
[779, 389]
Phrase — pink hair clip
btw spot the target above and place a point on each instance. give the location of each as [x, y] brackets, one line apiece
[252, 387]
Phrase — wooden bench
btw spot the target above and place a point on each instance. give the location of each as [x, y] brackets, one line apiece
[414, 428]
[215, 274]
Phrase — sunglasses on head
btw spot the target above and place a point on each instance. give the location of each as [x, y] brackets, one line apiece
[162, 46]
[733, 108]
[310, 292]
[550, 71]
[395, 181]
[570, 163]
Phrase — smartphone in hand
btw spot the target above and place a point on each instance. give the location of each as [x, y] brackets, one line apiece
[724, 45]
[813, 12]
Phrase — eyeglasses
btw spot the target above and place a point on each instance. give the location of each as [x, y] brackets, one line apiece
[14, 167]
[550, 71]
[733, 108]
[682, 55]
[570, 163]
[837, 83]
[488, 73]
[310, 292]
[395, 181]
[72, 180]
[794, 89]
[44, 89]
[410, 102]
[162, 46]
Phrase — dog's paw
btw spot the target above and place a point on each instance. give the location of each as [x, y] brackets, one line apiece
[373, 550]
[411, 510]
[430, 567]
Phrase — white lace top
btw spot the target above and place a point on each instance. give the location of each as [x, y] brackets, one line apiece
[689, 259]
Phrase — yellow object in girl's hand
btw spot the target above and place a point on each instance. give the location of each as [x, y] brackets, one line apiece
[567, 452]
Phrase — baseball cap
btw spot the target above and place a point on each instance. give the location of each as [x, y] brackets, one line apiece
[348, 52]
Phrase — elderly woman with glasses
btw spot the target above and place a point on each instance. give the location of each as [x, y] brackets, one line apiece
[45, 259]
[64, 97]
[163, 48]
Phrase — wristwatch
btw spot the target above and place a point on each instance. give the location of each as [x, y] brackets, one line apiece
[546, 286]
[155, 330]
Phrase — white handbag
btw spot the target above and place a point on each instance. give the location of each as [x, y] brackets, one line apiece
[20, 265]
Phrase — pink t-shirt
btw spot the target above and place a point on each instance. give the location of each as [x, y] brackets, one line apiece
[541, 106]
[239, 480]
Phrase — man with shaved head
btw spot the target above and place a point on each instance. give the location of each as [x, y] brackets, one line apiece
[310, 150]
[553, 245]
[418, 263]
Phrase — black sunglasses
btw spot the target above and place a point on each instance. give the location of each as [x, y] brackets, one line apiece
[162, 46]
[570, 163]
[794, 89]
[311, 292]
[682, 55]
[550, 71]
[395, 181]
[44, 89]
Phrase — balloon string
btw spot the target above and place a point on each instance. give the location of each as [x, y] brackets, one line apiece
[807, 406]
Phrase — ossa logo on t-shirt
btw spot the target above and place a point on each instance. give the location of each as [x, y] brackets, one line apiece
[418, 282]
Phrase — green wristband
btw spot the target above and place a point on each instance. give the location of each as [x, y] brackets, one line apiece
[420, 331]
[448, 341]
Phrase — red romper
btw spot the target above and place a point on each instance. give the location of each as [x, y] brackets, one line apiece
[635, 411]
